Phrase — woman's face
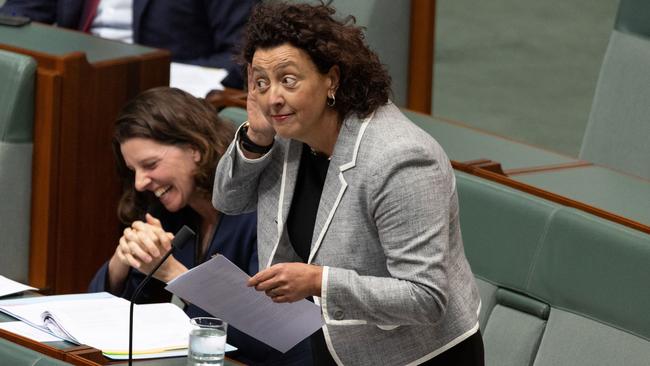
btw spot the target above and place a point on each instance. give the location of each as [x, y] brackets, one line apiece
[165, 170]
[292, 93]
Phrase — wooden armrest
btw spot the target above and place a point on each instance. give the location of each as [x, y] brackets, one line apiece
[227, 98]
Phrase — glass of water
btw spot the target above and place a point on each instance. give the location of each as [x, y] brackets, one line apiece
[207, 341]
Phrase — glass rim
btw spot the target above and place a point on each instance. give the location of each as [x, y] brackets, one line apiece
[208, 322]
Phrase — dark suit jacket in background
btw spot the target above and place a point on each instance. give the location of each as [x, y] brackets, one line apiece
[199, 32]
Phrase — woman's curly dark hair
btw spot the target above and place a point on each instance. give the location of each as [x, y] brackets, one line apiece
[173, 117]
[364, 82]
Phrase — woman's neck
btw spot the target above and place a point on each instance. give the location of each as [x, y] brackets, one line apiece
[324, 142]
[209, 221]
[204, 208]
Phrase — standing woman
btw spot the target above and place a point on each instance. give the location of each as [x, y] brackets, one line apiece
[357, 207]
[167, 145]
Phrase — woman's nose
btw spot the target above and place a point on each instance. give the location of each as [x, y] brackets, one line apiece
[141, 181]
[276, 98]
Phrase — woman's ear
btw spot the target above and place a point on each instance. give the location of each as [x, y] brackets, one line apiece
[333, 76]
[196, 155]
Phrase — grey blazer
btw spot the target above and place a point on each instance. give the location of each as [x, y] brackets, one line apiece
[397, 288]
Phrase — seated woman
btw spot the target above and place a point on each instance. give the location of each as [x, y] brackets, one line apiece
[167, 145]
[358, 207]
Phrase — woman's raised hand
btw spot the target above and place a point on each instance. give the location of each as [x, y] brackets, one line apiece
[260, 130]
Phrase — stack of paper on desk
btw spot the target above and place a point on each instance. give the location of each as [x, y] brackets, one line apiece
[102, 321]
[8, 286]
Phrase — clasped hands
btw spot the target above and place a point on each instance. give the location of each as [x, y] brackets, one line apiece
[142, 246]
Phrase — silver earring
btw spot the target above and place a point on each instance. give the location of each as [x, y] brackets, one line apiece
[331, 100]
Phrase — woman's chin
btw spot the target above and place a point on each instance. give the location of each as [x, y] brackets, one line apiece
[171, 205]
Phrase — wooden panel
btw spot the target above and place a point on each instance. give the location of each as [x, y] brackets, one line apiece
[44, 164]
[74, 225]
[420, 74]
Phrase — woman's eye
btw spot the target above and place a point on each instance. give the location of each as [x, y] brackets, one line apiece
[289, 81]
[150, 166]
[261, 83]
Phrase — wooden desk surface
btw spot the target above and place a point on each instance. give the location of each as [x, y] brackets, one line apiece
[41, 38]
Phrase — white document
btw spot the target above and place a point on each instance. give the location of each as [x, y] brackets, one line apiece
[219, 287]
[196, 80]
[103, 323]
[28, 331]
[8, 287]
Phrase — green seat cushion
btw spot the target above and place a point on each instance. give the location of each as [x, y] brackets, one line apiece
[574, 340]
[599, 187]
[595, 268]
[512, 337]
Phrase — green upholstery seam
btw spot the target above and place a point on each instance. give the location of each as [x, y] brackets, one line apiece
[540, 244]
[599, 321]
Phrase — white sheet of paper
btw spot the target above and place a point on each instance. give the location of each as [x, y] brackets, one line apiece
[196, 80]
[219, 287]
[8, 287]
[101, 321]
[28, 331]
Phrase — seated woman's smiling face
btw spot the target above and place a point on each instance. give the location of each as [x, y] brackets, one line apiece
[291, 92]
[165, 170]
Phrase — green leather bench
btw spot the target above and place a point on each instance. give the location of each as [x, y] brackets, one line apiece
[15, 355]
[558, 286]
[17, 79]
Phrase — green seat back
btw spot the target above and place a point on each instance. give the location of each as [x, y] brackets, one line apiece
[597, 269]
[17, 80]
[234, 114]
[618, 130]
[502, 230]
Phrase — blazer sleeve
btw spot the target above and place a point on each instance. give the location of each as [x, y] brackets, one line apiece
[411, 202]
[237, 179]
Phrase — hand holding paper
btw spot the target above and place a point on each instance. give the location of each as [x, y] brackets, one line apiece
[220, 288]
[289, 282]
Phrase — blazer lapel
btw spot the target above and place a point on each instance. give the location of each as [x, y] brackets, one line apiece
[343, 158]
[290, 165]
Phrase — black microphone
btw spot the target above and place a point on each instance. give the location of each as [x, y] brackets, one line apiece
[183, 235]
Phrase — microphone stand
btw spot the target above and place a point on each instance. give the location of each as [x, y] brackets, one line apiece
[181, 237]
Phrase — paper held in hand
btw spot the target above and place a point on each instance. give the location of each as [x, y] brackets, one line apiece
[219, 287]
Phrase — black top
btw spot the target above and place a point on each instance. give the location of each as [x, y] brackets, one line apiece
[306, 196]
[300, 225]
